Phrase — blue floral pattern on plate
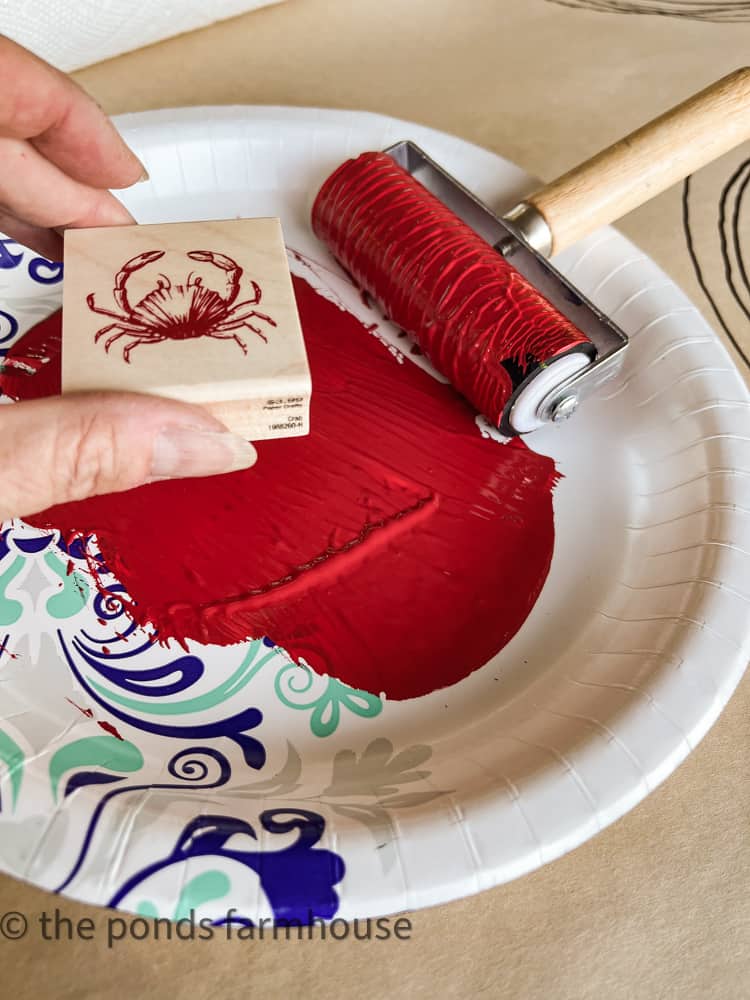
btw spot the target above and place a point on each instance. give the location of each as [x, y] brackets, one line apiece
[170, 749]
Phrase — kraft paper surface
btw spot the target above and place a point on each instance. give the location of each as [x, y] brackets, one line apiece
[658, 905]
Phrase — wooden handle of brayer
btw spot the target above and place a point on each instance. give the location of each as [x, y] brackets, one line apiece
[646, 162]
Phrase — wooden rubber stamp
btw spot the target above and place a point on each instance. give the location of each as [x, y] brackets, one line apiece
[203, 312]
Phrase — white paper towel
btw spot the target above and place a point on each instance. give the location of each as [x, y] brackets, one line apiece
[74, 33]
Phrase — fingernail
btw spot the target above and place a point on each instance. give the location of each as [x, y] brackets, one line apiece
[114, 213]
[145, 176]
[184, 451]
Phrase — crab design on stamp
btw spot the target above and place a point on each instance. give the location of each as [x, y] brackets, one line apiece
[180, 311]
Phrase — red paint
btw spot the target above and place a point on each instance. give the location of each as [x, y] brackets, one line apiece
[393, 547]
[109, 728]
[106, 726]
[478, 320]
[4, 649]
[32, 368]
[84, 711]
[179, 312]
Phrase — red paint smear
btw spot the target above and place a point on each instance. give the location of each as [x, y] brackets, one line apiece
[393, 547]
[109, 728]
[32, 366]
[4, 649]
[106, 726]
[478, 320]
[85, 711]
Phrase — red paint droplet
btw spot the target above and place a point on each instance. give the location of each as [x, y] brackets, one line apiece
[69, 568]
[109, 728]
[105, 650]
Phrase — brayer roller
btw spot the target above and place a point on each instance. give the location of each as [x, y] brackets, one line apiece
[476, 290]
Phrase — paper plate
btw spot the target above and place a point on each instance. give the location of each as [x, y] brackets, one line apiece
[257, 785]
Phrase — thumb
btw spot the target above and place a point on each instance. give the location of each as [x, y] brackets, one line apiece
[65, 448]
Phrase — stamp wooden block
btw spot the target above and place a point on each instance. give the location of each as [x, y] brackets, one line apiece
[202, 311]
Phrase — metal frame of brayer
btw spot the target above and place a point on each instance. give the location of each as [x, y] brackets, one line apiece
[608, 339]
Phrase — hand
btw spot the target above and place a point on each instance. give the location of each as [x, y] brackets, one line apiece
[59, 154]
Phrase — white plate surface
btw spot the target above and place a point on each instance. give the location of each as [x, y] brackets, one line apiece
[637, 641]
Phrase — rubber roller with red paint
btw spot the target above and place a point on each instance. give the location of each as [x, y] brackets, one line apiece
[477, 319]
[475, 289]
